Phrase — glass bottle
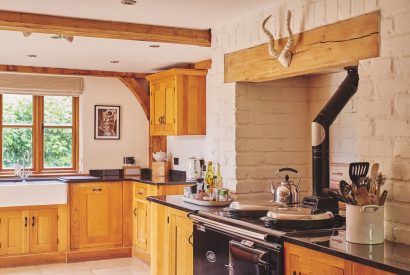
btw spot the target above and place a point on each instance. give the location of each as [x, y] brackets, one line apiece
[209, 179]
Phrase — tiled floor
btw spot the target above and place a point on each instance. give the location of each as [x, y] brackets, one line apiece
[124, 266]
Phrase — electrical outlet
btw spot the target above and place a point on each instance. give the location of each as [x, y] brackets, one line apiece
[128, 160]
[176, 161]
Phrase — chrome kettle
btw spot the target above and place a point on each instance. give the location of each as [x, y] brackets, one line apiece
[286, 191]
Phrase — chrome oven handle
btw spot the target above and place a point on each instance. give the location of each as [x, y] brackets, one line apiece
[227, 228]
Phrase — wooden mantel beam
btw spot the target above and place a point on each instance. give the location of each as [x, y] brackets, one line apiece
[38, 23]
[322, 49]
[64, 71]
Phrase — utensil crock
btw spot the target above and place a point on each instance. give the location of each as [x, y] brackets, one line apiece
[365, 224]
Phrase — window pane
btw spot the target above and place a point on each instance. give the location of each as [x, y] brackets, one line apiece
[15, 142]
[57, 148]
[17, 109]
[58, 110]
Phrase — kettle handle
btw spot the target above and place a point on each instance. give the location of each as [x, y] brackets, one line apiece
[290, 170]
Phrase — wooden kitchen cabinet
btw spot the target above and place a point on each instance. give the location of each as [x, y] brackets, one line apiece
[31, 229]
[140, 224]
[96, 215]
[171, 242]
[180, 234]
[359, 269]
[43, 224]
[177, 102]
[141, 216]
[303, 261]
[14, 232]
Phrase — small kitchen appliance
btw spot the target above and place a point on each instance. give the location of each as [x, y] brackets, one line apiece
[286, 191]
[194, 169]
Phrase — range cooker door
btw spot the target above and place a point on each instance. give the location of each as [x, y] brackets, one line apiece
[244, 259]
[211, 251]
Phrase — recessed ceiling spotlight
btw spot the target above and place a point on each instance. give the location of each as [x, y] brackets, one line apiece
[32, 55]
[56, 36]
[154, 46]
[128, 2]
[114, 61]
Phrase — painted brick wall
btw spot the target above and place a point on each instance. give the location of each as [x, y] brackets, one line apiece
[373, 127]
[271, 133]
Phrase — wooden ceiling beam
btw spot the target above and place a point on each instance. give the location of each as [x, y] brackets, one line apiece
[63, 71]
[38, 23]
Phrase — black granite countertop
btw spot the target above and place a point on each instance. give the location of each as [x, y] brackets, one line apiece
[142, 179]
[175, 201]
[391, 257]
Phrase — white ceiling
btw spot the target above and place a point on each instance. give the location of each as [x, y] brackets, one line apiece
[134, 56]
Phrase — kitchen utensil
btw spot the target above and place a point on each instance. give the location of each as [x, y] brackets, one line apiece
[362, 196]
[358, 170]
[382, 198]
[286, 191]
[194, 169]
[373, 199]
[345, 188]
[374, 170]
[365, 224]
[380, 179]
[160, 156]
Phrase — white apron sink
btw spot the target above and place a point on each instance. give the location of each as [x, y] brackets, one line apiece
[32, 193]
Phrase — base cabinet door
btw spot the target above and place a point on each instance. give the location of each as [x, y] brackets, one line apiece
[180, 243]
[43, 230]
[96, 215]
[14, 234]
[140, 224]
[304, 266]
[303, 261]
[159, 237]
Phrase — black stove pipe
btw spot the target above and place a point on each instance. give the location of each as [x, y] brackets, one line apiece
[320, 130]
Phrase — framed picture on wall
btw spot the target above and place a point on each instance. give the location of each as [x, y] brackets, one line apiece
[106, 122]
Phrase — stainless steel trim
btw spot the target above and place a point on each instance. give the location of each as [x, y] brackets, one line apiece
[227, 228]
[242, 223]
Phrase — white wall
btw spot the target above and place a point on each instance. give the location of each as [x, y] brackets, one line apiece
[105, 154]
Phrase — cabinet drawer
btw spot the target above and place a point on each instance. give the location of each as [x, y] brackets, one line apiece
[140, 192]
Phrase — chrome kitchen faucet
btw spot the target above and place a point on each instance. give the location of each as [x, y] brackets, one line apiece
[21, 171]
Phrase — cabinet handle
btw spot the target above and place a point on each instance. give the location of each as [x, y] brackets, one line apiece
[163, 120]
[135, 213]
[97, 189]
[25, 221]
[190, 239]
[34, 221]
[139, 193]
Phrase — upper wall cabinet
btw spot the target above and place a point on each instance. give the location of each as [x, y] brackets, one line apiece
[178, 102]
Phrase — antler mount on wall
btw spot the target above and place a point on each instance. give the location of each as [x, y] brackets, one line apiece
[285, 56]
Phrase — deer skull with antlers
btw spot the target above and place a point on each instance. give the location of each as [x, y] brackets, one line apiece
[285, 56]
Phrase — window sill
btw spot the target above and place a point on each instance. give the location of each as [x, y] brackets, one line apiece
[44, 174]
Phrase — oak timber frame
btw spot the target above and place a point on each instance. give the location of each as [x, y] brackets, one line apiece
[322, 49]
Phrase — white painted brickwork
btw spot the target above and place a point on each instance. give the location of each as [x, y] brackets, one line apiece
[252, 130]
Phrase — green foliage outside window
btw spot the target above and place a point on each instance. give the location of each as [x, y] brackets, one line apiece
[18, 110]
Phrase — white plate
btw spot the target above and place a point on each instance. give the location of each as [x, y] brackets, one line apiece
[206, 203]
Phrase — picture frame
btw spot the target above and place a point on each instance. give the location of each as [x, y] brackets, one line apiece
[107, 121]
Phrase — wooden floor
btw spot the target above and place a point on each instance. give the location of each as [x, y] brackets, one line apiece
[124, 266]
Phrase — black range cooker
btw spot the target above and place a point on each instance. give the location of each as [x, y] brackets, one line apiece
[238, 245]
